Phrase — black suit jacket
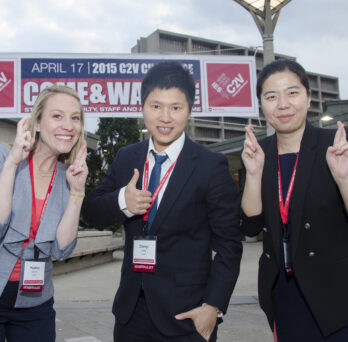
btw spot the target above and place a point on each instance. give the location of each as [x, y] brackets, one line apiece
[319, 242]
[198, 213]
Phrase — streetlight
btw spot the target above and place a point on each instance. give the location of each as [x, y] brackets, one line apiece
[265, 14]
[324, 118]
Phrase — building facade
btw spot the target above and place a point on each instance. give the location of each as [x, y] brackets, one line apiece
[217, 129]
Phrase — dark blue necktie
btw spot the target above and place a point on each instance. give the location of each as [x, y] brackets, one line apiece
[153, 184]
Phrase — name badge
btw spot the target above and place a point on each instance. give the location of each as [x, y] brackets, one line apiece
[34, 276]
[287, 257]
[144, 253]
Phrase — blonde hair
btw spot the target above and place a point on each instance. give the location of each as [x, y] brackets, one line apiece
[36, 114]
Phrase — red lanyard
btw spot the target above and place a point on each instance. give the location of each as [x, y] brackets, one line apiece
[160, 185]
[284, 208]
[31, 170]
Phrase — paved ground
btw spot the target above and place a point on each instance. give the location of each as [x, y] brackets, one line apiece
[84, 299]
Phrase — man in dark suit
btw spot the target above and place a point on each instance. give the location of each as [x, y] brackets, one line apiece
[178, 204]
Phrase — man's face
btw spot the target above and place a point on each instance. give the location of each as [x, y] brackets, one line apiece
[166, 112]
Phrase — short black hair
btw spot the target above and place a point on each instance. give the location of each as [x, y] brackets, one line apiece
[166, 75]
[280, 65]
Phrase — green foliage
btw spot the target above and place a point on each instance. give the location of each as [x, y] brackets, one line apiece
[114, 133]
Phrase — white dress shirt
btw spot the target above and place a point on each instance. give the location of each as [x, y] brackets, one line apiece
[172, 151]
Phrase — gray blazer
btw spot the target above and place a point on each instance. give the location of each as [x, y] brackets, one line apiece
[15, 230]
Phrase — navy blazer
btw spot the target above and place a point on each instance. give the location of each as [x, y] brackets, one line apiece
[197, 214]
[319, 231]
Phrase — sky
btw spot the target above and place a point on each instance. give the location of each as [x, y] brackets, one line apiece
[313, 31]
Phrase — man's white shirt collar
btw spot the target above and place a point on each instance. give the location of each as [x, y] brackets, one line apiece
[172, 151]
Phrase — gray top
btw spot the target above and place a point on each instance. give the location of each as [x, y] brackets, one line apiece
[15, 230]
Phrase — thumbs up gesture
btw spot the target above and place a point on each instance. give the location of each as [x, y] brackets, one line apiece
[137, 201]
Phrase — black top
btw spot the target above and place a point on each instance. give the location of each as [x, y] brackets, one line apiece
[294, 320]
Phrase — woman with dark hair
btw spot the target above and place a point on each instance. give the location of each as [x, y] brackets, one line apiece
[42, 184]
[296, 192]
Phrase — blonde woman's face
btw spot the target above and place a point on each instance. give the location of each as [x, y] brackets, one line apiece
[60, 124]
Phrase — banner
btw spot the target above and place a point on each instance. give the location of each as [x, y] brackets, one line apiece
[109, 85]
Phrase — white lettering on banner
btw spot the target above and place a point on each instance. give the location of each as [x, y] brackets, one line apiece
[136, 93]
[129, 68]
[48, 67]
[145, 67]
[189, 67]
[118, 92]
[129, 109]
[81, 90]
[31, 91]
[28, 89]
[36, 68]
[77, 67]
[104, 109]
[104, 68]
[236, 85]
[90, 109]
[96, 94]
[220, 84]
[4, 82]
[197, 95]
[3, 77]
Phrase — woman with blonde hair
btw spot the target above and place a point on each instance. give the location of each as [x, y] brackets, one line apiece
[42, 184]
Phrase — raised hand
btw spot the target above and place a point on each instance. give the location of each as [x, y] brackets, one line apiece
[77, 172]
[253, 156]
[23, 142]
[337, 155]
[137, 201]
[204, 319]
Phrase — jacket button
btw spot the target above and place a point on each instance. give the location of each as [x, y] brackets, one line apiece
[265, 229]
[268, 256]
[311, 254]
[307, 225]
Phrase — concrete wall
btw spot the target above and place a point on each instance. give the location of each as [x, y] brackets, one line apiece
[92, 248]
[7, 131]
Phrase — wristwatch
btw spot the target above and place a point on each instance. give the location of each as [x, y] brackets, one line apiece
[219, 313]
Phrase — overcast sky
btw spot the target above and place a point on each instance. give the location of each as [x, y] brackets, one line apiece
[314, 31]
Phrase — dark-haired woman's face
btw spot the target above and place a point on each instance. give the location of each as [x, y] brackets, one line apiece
[284, 101]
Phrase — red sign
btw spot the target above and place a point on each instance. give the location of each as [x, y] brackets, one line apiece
[7, 84]
[228, 85]
[110, 85]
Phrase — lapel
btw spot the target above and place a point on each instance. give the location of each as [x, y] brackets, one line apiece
[139, 160]
[55, 207]
[183, 169]
[21, 203]
[270, 193]
[308, 151]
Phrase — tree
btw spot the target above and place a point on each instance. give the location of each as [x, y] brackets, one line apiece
[114, 133]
